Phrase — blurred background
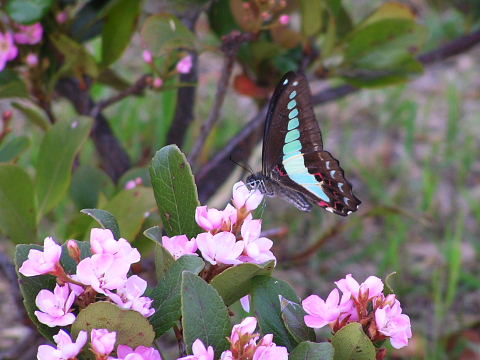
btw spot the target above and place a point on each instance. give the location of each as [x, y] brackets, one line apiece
[396, 88]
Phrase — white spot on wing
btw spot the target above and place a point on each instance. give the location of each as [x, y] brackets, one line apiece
[329, 209]
[349, 212]
[295, 83]
[327, 164]
[285, 82]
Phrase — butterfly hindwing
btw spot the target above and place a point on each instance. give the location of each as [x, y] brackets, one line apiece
[293, 152]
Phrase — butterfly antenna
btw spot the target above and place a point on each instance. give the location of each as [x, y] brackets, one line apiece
[244, 167]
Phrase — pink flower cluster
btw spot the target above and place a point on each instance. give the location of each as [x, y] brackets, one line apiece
[104, 273]
[244, 344]
[232, 235]
[24, 34]
[381, 316]
[102, 344]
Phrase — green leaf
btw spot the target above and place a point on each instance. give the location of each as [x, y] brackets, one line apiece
[33, 114]
[312, 15]
[391, 10]
[204, 315]
[265, 303]
[105, 219]
[312, 351]
[30, 286]
[17, 209]
[87, 22]
[236, 281]
[166, 294]
[55, 159]
[28, 11]
[78, 61]
[220, 18]
[163, 33]
[163, 259]
[388, 286]
[175, 191]
[131, 208]
[384, 43]
[13, 147]
[11, 85]
[351, 343]
[118, 29]
[293, 315]
[87, 184]
[131, 327]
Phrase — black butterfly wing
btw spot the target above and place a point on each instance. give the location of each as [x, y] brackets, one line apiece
[293, 152]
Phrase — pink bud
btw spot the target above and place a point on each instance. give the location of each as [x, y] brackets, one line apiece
[157, 83]
[62, 17]
[185, 65]
[29, 34]
[74, 250]
[147, 56]
[284, 19]
[31, 60]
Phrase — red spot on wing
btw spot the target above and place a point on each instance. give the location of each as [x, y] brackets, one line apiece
[323, 204]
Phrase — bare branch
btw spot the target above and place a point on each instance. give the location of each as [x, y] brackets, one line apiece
[230, 46]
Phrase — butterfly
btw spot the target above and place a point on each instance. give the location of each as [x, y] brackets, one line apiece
[294, 165]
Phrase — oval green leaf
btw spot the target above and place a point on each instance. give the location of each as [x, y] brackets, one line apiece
[236, 281]
[163, 33]
[351, 343]
[175, 191]
[11, 85]
[13, 147]
[55, 159]
[265, 302]
[17, 209]
[28, 11]
[292, 315]
[33, 114]
[131, 327]
[105, 219]
[166, 295]
[204, 315]
[88, 182]
[312, 351]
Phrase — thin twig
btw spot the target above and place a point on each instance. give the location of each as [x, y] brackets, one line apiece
[207, 175]
[136, 89]
[230, 46]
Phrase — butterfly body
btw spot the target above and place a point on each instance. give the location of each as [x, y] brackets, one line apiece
[294, 165]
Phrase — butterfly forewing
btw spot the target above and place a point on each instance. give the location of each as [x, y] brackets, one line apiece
[293, 152]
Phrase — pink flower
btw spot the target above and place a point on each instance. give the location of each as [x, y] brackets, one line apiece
[185, 65]
[102, 341]
[226, 355]
[29, 34]
[320, 312]
[103, 242]
[129, 296]
[8, 50]
[257, 249]
[147, 56]
[220, 248]
[391, 322]
[247, 326]
[55, 306]
[65, 350]
[157, 83]
[208, 219]
[199, 352]
[370, 288]
[179, 245]
[284, 19]
[229, 216]
[102, 272]
[125, 352]
[31, 60]
[271, 352]
[242, 197]
[42, 262]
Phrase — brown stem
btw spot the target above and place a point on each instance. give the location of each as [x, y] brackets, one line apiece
[230, 46]
[136, 89]
[182, 349]
[218, 169]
